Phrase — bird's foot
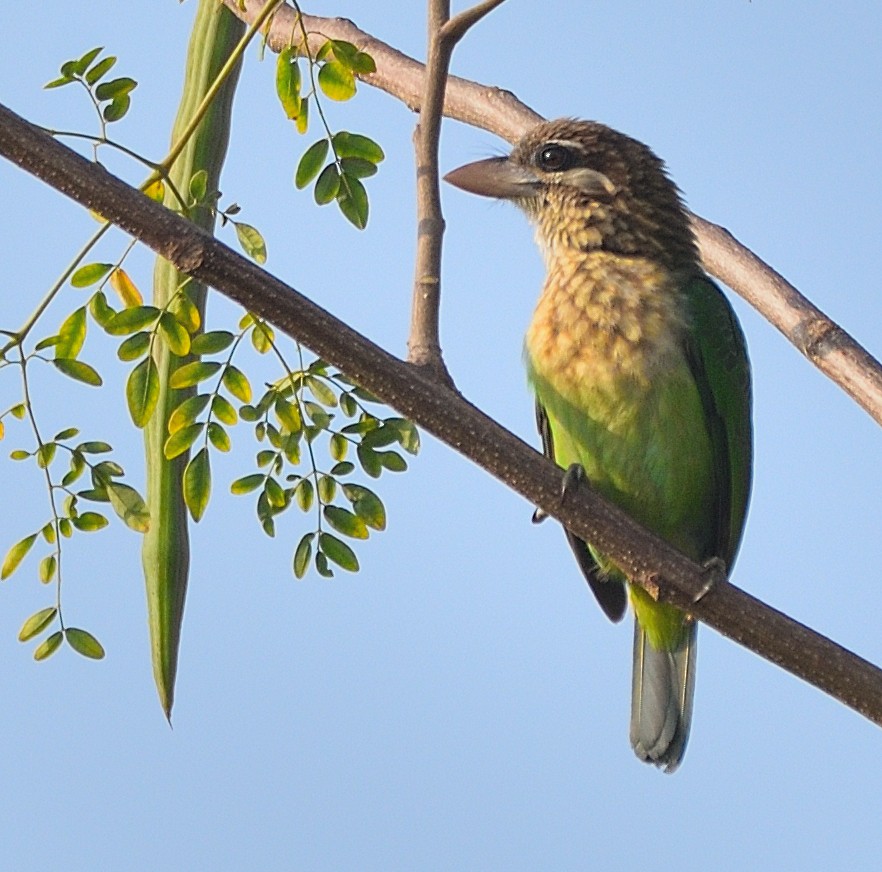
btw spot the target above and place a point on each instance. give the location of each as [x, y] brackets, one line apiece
[715, 572]
[573, 477]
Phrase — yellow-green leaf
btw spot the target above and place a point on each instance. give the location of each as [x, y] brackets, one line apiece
[88, 522]
[142, 391]
[181, 440]
[288, 82]
[90, 274]
[346, 522]
[36, 623]
[211, 342]
[218, 436]
[187, 412]
[156, 190]
[15, 555]
[303, 554]
[223, 410]
[247, 483]
[251, 240]
[192, 373]
[78, 370]
[336, 80]
[48, 646]
[237, 383]
[129, 505]
[197, 484]
[176, 337]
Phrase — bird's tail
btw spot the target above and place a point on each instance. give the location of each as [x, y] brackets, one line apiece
[661, 698]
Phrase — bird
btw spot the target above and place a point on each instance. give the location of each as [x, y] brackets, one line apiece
[641, 381]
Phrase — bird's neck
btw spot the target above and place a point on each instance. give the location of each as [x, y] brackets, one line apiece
[603, 320]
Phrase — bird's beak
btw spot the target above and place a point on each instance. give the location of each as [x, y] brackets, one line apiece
[494, 177]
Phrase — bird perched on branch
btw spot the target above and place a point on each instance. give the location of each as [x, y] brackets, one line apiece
[641, 380]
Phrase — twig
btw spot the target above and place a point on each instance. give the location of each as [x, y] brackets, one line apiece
[424, 346]
[439, 410]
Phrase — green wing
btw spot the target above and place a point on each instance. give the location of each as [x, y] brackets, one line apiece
[718, 358]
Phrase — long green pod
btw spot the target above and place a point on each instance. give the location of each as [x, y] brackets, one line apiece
[166, 549]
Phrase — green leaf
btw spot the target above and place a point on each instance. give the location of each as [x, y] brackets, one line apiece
[369, 460]
[218, 436]
[117, 109]
[199, 185]
[303, 494]
[302, 121]
[36, 623]
[100, 310]
[223, 410]
[346, 522]
[142, 391]
[176, 337]
[187, 313]
[90, 274]
[78, 370]
[115, 88]
[358, 167]
[327, 185]
[342, 468]
[275, 494]
[247, 483]
[134, 346]
[57, 83]
[131, 320]
[338, 551]
[237, 383]
[156, 192]
[353, 201]
[212, 342]
[327, 488]
[15, 555]
[321, 565]
[181, 440]
[197, 484]
[89, 522]
[339, 446]
[288, 415]
[94, 447]
[63, 435]
[303, 554]
[393, 461]
[288, 82]
[363, 64]
[336, 81]
[253, 244]
[311, 163]
[46, 569]
[48, 646]
[129, 505]
[187, 412]
[321, 391]
[100, 69]
[262, 337]
[192, 373]
[46, 454]
[368, 506]
[78, 67]
[84, 643]
[408, 435]
[355, 145]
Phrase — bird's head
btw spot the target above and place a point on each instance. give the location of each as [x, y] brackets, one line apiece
[588, 187]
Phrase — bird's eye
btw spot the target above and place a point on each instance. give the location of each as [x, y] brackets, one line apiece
[554, 158]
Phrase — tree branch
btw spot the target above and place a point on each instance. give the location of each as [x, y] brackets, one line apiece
[821, 340]
[424, 346]
[645, 559]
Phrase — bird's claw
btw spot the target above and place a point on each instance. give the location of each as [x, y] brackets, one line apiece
[573, 477]
[715, 572]
[539, 515]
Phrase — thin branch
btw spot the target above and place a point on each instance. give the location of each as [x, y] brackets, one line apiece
[644, 558]
[424, 346]
[837, 354]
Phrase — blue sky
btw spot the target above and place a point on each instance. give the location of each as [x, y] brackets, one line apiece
[461, 702]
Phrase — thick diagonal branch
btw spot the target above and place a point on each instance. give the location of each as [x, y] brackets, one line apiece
[441, 411]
